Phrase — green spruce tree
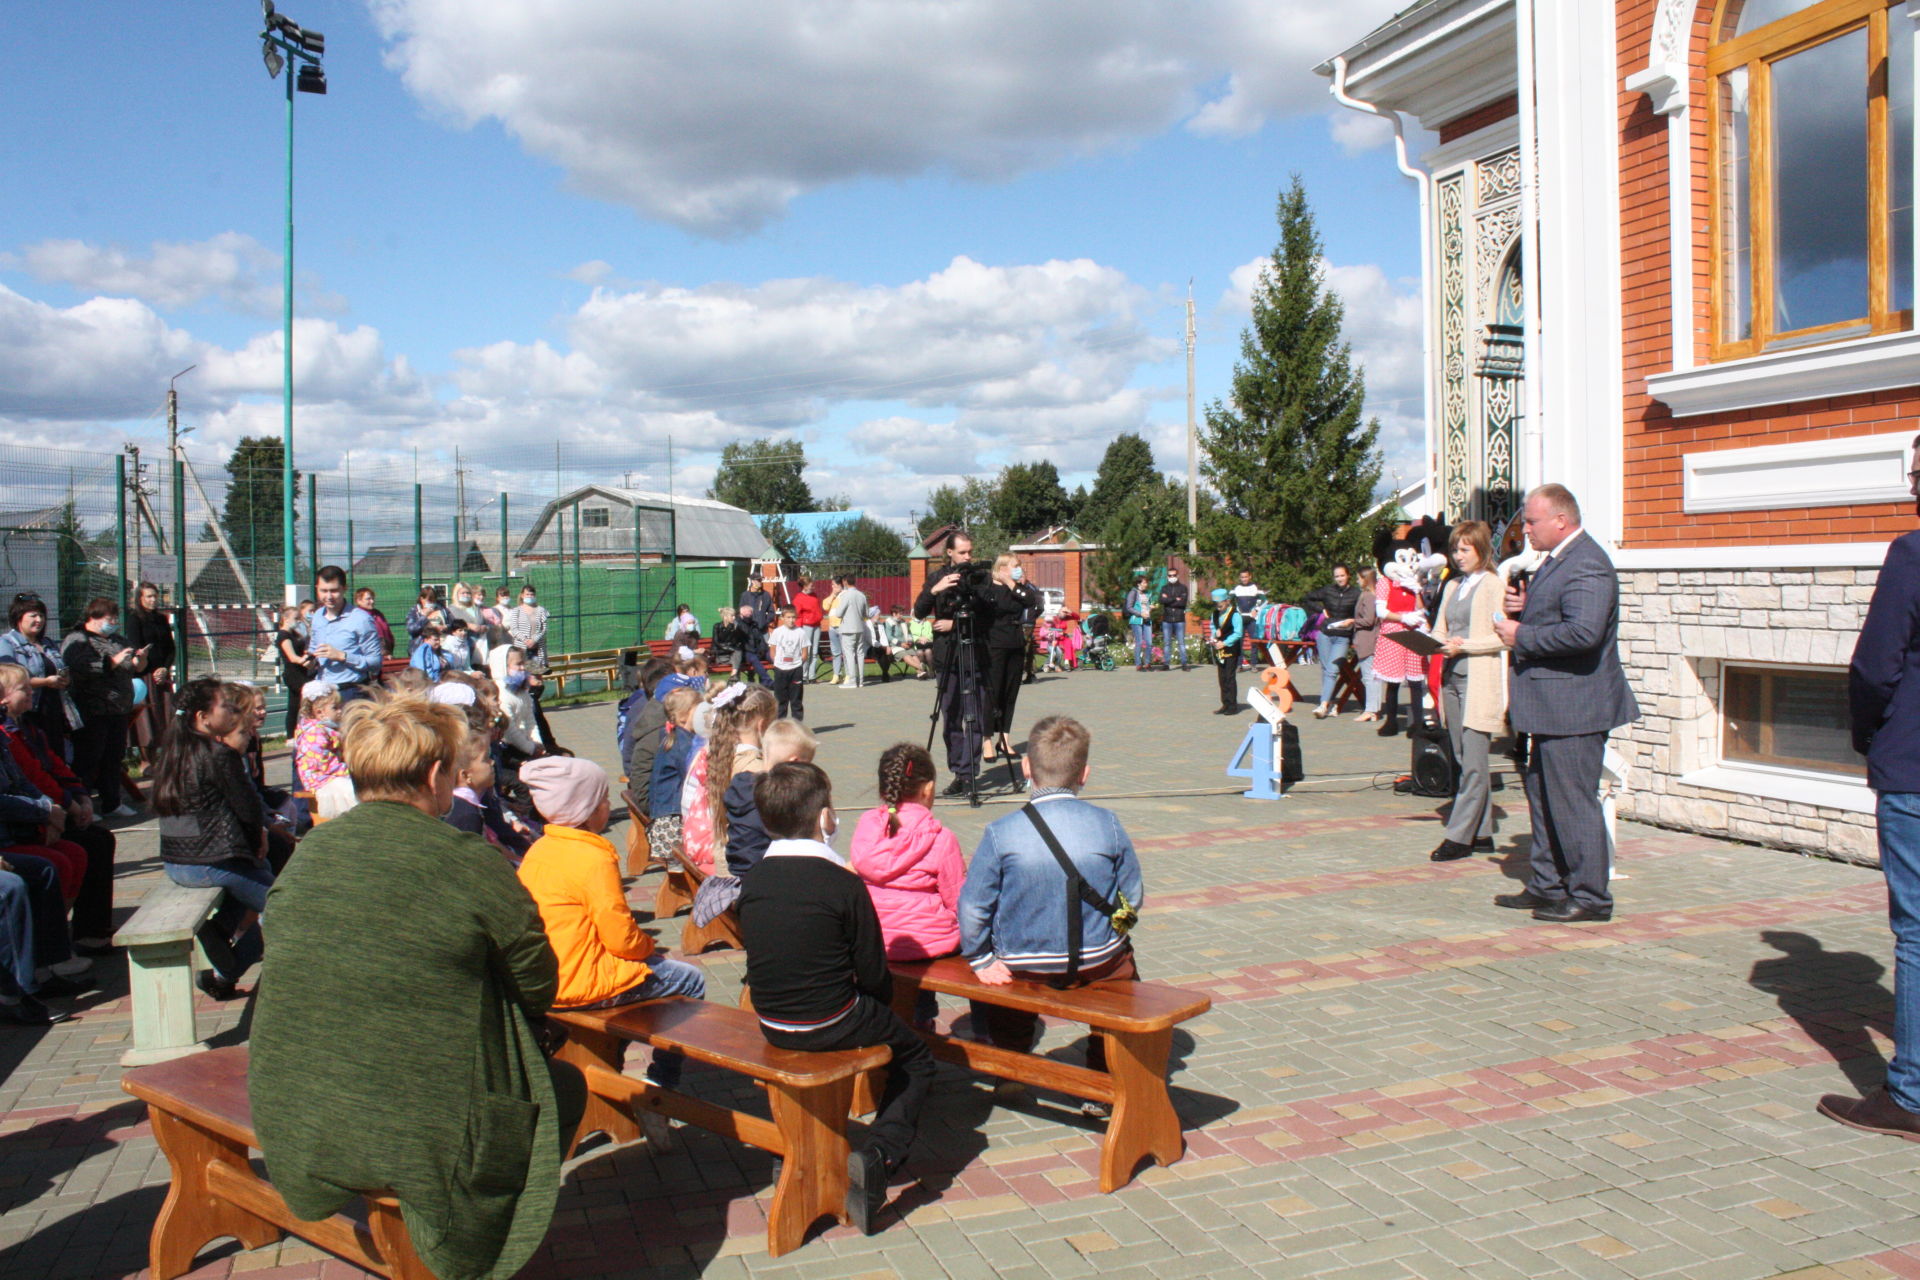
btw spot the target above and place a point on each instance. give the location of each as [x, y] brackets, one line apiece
[1288, 456]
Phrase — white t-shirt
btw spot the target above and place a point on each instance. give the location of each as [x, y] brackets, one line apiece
[789, 645]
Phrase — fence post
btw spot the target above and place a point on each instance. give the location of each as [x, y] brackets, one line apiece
[349, 565]
[120, 526]
[179, 570]
[640, 623]
[459, 560]
[579, 606]
[419, 570]
[313, 526]
[504, 563]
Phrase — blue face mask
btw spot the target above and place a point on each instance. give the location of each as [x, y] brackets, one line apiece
[516, 680]
[1018, 573]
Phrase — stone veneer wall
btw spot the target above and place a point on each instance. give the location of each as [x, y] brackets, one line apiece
[1677, 628]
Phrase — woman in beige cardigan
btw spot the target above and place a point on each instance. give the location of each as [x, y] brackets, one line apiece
[1473, 687]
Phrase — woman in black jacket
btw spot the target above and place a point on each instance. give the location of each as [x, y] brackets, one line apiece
[1005, 600]
[151, 628]
[213, 830]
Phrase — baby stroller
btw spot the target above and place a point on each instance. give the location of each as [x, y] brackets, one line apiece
[1099, 651]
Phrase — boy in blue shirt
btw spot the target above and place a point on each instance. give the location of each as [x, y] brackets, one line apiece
[1017, 918]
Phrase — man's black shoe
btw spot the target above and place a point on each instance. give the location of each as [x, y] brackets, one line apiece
[1525, 900]
[28, 1012]
[1450, 851]
[1566, 912]
[1483, 845]
[958, 787]
[1391, 729]
[866, 1188]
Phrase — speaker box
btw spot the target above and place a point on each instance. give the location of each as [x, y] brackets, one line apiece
[1432, 767]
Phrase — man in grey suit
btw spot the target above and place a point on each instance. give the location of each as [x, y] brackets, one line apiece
[853, 634]
[1567, 693]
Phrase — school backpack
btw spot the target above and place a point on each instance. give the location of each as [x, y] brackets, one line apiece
[1292, 622]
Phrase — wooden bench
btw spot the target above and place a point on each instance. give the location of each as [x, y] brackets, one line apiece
[604, 663]
[639, 848]
[810, 1095]
[677, 892]
[715, 664]
[203, 1121]
[1136, 1020]
[160, 968]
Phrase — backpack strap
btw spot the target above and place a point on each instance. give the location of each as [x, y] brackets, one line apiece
[1078, 891]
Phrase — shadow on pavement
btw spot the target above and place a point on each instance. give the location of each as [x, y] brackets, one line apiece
[1837, 997]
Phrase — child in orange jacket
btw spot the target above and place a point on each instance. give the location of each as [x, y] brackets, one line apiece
[573, 874]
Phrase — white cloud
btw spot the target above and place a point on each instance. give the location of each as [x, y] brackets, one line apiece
[1002, 342]
[108, 360]
[715, 117]
[232, 269]
[591, 273]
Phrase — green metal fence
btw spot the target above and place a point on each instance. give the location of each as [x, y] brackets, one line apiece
[76, 525]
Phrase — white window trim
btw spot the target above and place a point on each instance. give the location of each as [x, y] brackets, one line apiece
[1795, 786]
[1885, 362]
[1773, 477]
[1793, 555]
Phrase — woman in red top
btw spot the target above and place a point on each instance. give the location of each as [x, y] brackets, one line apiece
[807, 615]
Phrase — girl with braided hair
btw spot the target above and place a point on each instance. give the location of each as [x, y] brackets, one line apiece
[739, 713]
[911, 863]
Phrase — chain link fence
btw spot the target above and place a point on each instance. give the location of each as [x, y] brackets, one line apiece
[208, 536]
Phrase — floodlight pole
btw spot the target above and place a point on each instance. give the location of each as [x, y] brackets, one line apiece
[286, 371]
[295, 52]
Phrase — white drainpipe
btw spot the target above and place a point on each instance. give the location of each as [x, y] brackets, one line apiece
[1428, 321]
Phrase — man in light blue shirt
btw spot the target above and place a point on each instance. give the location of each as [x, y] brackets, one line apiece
[344, 638]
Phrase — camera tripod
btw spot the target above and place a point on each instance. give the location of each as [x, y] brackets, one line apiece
[961, 674]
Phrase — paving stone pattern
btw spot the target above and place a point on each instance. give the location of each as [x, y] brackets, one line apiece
[1397, 1078]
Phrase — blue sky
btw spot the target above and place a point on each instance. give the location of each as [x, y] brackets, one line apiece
[927, 239]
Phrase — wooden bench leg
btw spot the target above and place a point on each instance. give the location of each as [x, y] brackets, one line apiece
[674, 893]
[160, 979]
[390, 1239]
[590, 1051]
[193, 1215]
[813, 1177]
[1144, 1122]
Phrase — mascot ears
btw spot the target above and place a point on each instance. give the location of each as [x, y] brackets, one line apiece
[1413, 544]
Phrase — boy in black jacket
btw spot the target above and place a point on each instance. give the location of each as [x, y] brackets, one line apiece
[818, 968]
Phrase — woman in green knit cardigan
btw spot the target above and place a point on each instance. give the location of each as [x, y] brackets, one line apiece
[394, 1042]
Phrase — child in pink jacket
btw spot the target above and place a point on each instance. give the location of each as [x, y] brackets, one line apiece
[912, 867]
[911, 863]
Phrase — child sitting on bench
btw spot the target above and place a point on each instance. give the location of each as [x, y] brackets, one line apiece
[1016, 918]
[747, 838]
[819, 972]
[573, 874]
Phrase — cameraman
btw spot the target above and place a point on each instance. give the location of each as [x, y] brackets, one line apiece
[962, 696]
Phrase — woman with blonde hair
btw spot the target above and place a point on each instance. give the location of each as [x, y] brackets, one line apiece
[737, 715]
[409, 962]
[1006, 600]
[1473, 685]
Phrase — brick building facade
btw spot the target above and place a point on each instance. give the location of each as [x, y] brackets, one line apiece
[1679, 280]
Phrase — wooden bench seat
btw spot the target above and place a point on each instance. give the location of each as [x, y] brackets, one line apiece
[1135, 1019]
[160, 969]
[204, 1124]
[810, 1094]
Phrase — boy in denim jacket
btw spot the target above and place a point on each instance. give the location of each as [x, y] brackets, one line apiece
[1013, 910]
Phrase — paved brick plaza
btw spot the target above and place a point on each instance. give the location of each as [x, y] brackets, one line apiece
[1397, 1078]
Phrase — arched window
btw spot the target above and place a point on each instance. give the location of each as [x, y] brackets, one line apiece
[1812, 126]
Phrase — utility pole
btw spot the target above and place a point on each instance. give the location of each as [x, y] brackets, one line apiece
[1193, 447]
[139, 502]
[459, 514]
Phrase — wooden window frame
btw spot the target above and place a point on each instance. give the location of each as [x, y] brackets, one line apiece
[1765, 756]
[1756, 51]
